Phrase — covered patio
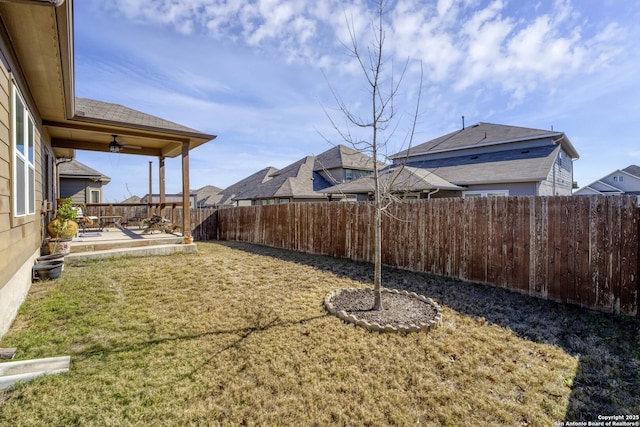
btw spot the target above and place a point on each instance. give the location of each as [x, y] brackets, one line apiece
[113, 128]
[126, 241]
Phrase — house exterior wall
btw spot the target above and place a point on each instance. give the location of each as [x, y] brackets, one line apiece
[20, 237]
[628, 183]
[337, 176]
[78, 189]
[513, 189]
[559, 182]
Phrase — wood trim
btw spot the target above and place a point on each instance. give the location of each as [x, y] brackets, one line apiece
[102, 147]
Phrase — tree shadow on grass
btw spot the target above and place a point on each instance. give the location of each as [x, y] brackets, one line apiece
[607, 381]
[261, 321]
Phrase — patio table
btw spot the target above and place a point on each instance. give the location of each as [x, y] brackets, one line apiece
[110, 219]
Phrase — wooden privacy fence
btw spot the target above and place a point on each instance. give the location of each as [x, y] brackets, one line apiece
[580, 250]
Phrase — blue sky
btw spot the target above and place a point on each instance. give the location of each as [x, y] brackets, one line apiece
[258, 74]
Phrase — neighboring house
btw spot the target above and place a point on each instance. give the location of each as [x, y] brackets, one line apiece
[131, 199]
[492, 160]
[401, 181]
[169, 199]
[244, 186]
[297, 182]
[343, 164]
[301, 181]
[43, 122]
[621, 181]
[80, 182]
[208, 196]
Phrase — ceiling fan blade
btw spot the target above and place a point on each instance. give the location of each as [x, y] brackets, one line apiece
[135, 147]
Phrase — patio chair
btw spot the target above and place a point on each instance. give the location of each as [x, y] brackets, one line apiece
[90, 221]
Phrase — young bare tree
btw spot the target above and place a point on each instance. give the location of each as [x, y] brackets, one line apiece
[381, 124]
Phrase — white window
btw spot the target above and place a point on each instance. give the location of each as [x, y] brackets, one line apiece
[348, 174]
[618, 178]
[24, 177]
[94, 196]
[486, 193]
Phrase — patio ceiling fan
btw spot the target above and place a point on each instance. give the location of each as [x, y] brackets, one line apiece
[116, 147]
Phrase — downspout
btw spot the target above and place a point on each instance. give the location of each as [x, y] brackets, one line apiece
[430, 193]
[54, 3]
[572, 181]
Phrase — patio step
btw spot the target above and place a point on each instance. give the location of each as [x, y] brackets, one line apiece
[78, 247]
[146, 250]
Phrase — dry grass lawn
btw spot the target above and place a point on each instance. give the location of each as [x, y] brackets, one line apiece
[237, 335]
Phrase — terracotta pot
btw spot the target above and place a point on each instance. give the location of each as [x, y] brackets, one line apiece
[69, 228]
[59, 246]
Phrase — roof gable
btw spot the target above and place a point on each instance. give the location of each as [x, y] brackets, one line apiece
[342, 157]
[75, 169]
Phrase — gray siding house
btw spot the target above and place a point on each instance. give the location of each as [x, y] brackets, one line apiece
[618, 182]
[498, 160]
[80, 182]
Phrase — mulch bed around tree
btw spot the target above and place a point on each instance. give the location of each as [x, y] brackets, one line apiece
[401, 311]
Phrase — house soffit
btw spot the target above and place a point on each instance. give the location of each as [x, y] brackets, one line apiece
[42, 46]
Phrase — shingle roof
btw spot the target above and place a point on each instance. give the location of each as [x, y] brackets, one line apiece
[633, 170]
[75, 169]
[483, 134]
[395, 179]
[505, 166]
[208, 195]
[105, 111]
[297, 180]
[343, 157]
[240, 188]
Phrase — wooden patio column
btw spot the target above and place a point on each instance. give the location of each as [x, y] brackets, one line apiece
[186, 196]
[149, 206]
[162, 187]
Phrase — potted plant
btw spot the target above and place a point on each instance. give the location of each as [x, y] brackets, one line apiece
[63, 227]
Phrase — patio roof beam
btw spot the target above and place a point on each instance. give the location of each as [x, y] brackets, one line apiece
[92, 146]
[109, 130]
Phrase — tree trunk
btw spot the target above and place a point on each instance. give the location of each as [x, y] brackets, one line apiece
[377, 260]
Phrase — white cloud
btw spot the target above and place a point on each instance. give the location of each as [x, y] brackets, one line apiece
[494, 43]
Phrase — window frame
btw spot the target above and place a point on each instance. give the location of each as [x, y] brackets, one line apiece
[485, 193]
[93, 191]
[23, 147]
